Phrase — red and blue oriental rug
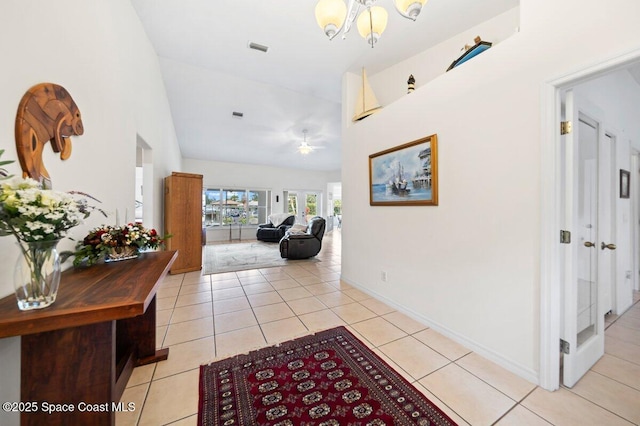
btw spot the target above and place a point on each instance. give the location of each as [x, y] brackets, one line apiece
[327, 379]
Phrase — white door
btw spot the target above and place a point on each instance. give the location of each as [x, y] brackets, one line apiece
[311, 205]
[305, 205]
[588, 270]
[292, 205]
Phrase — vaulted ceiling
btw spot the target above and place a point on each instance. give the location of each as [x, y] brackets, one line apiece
[209, 71]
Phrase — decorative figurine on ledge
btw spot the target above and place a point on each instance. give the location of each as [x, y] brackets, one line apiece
[470, 52]
[367, 103]
[411, 84]
[46, 113]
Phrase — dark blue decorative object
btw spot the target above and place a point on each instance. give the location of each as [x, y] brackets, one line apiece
[475, 50]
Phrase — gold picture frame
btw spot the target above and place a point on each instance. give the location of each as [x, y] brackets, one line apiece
[405, 175]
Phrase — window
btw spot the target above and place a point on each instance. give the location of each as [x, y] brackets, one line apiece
[259, 206]
[234, 206]
[230, 206]
[212, 208]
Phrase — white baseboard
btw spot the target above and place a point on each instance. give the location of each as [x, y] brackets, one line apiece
[517, 369]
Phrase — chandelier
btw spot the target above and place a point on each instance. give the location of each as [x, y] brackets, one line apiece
[334, 16]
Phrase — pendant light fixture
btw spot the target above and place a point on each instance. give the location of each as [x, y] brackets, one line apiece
[334, 16]
[304, 148]
[371, 23]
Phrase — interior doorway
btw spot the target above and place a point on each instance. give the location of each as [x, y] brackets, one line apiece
[556, 276]
[334, 209]
[143, 182]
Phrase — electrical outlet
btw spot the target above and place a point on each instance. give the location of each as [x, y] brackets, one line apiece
[383, 276]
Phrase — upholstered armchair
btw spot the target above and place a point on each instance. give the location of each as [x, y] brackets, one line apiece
[303, 244]
[274, 230]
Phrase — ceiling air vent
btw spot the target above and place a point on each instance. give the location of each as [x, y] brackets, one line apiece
[260, 47]
[237, 114]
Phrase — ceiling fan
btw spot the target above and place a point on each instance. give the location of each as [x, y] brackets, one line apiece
[304, 148]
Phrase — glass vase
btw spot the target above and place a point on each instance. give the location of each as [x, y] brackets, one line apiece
[37, 274]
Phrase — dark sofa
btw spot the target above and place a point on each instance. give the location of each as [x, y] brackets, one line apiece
[272, 234]
[303, 245]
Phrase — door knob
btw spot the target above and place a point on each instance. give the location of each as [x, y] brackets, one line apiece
[589, 244]
[609, 246]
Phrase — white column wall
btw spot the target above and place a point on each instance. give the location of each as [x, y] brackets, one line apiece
[470, 267]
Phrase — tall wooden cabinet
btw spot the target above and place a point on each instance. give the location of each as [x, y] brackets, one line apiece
[183, 220]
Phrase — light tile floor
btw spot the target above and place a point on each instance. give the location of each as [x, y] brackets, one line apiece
[203, 318]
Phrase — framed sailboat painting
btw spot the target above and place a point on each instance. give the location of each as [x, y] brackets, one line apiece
[406, 175]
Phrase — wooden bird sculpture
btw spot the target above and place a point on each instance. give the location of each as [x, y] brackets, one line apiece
[46, 113]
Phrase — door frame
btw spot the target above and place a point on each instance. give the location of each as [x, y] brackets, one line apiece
[635, 217]
[550, 200]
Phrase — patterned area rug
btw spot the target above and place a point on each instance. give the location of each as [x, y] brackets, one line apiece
[326, 379]
[241, 256]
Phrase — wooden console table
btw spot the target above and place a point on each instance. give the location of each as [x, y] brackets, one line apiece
[81, 350]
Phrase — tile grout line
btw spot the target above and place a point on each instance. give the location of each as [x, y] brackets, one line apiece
[519, 403]
[153, 373]
[614, 380]
[617, 357]
[437, 397]
[254, 313]
[596, 404]
[144, 400]
[213, 320]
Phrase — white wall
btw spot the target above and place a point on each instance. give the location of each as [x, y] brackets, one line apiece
[218, 174]
[470, 267]
[391, 84]
[99, 52]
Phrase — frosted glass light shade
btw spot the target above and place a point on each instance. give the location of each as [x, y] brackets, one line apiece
[372, 23]
[409, 8]
[330, 15]
[304, 149]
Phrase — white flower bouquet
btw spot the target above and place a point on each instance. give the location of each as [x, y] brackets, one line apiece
[31, 213]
